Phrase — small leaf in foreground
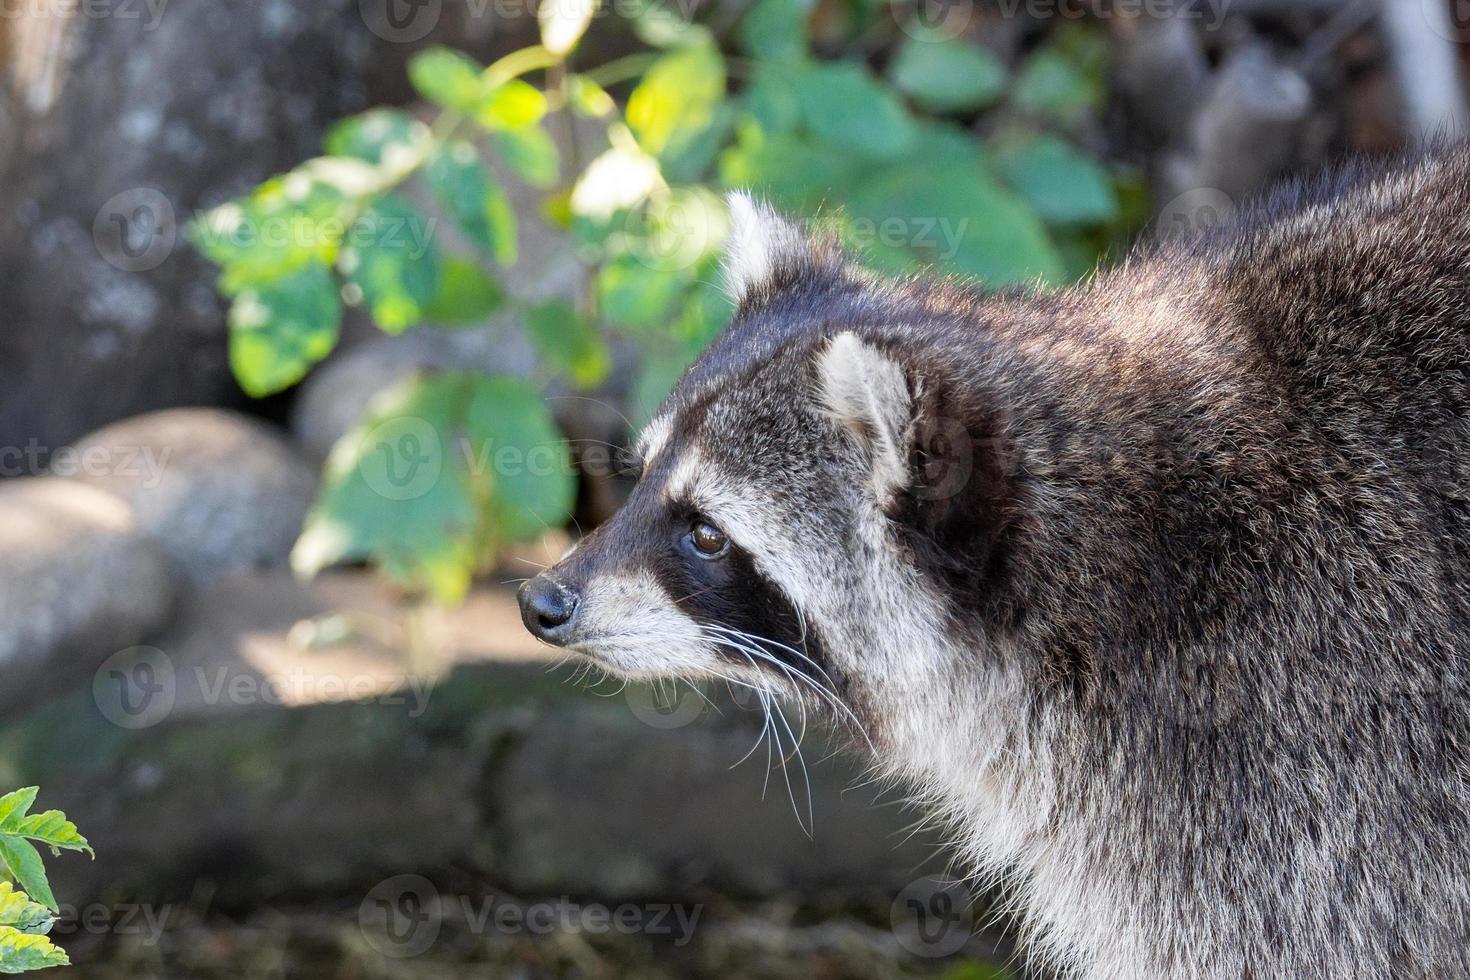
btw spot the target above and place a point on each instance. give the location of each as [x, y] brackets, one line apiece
[845, 105]
[568, 343]
[948, 75]
[448, 78]
[279, 330]
[1064, 185]
[396, 491]
[531, 153]
[22, 952]
[478, 205]
[679, 94]
[391, 257]
[466, 294]
[514, 441]
[375, 136]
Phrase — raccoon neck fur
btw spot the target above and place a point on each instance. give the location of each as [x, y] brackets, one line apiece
[1212, 722]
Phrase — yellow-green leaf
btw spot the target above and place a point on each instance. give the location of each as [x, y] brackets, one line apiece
[279, 330]
[21, 952]
[678, 95]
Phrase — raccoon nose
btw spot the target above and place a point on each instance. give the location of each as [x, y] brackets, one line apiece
[547, 608]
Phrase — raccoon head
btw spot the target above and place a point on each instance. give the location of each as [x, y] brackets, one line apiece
[806, 516]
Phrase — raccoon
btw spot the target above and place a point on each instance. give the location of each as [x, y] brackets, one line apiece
[1155, 589]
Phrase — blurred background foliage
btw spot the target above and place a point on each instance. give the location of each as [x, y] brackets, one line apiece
[919, 149]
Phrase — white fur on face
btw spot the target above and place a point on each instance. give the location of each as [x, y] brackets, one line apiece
[654, 437]
[868, 395]
[760, 240]
[631, 626]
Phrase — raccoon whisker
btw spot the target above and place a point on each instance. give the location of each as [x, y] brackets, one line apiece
[807, 827]
[773, 708]
[599, 402]
[759, 739]
[702, 696]
[746, 643]
[758, 640]
[693, 595]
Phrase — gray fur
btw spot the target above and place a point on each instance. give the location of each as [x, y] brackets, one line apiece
[1171, 623]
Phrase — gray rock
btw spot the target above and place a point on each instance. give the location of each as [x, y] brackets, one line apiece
[219, 492]
[80, 582]
[135, 119]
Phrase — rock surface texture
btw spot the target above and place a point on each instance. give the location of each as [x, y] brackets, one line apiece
[80, 581]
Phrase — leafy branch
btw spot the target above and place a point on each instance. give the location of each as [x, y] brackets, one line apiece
[427, 486]
[28, 910]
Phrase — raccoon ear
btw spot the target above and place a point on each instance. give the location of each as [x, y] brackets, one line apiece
[868, 394]
[761, 241]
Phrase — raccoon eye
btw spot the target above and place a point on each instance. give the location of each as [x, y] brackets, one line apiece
[709, 540]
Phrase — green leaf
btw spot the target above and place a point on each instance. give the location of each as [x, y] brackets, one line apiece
[659, 26]
[288, 222]
[588, 98]
[1063, 185]
[448, 78]
[632, 294]
[397, 490]
[568, 343]
[21, 953]
[391, 257]
[479, 207]
[707, 311]
[1050, 86]
[776, 30]
[678, 95]
[376, 136]
[531, 153]
[846, 106]
[796, 173]
[771, 102]
[466, 294]
[656, 378]
[514, 105]
[280, 329]
[515, 442]
[18, 912]
[563, 23]
[951, 213]
[948, 75]
[19, 857]
[23, 862]
[15, 804]
[691, 152]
